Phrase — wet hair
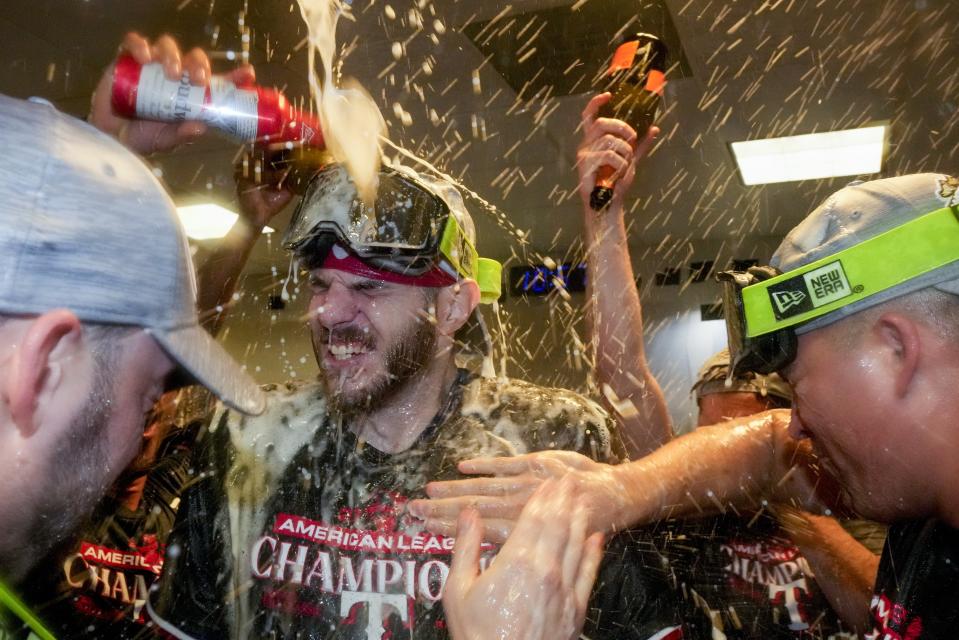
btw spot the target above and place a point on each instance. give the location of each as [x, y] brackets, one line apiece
[937, 309]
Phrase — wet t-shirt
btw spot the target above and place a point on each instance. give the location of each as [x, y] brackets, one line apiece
[296, 529]
[917, 587]
[742, 577]
[299, 530]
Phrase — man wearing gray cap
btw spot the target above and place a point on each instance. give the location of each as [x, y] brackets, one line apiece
[864, 324]
[97, 316]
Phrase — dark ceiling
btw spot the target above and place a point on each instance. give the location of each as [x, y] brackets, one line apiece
[752, 69]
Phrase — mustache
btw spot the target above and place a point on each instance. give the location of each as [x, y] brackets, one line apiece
[348, 335]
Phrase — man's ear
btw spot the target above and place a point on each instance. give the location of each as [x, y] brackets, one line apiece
[900, 335]
[37, 368]
[454, 304]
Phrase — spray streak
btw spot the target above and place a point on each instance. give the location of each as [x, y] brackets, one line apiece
[352, 123]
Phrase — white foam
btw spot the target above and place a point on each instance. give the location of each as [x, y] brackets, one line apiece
[352, 123]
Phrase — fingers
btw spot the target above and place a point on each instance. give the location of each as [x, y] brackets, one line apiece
[242, 76]
[164, 136]
[501, 486]
[494, 530]
[166, 52]
[487, 507]
[137, 46]
[197, 65]
[593, 107]
[535, 462]
[609, 142]
[440, 526]
[496, 466]
[606, 158]
[644, 146]
[573, 551]
[590, 163]
[610, 126]
[189, 131]
[588, 568]
[466, 552]
[535, 524]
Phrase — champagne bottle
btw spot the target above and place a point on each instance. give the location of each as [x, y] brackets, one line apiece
[636, 77]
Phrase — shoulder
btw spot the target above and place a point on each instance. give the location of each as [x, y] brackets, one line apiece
[293, 412]
[483, 396]
[538, 417]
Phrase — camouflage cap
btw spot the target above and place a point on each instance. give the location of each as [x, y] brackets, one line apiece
[713, 377]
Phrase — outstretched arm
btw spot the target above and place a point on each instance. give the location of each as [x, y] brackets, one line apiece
[614, 313]
[743, 464]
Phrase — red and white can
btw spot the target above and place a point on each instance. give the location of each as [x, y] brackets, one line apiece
[247, 113]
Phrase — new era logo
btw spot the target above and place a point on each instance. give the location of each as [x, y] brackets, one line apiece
[827, 283]
[786, 300]
[811, 290]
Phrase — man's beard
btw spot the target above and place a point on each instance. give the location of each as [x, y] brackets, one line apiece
[79, 479]
[407, 357]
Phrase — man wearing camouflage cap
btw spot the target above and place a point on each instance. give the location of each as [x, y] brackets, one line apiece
[864, 324]
[720, 396]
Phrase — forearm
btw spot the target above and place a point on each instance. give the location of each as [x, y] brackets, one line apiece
[845, 570]
[218, 275]
[615, 320]
[743, 464]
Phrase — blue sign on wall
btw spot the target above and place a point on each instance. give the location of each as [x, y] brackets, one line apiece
[539, 280]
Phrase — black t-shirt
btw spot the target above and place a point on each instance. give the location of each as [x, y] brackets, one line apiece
[95, 584]
[299, 530]
[917, 588]
[745, 578]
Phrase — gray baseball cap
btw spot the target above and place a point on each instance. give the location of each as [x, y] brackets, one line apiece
[714, 377]
[84, 225]
[859, 212]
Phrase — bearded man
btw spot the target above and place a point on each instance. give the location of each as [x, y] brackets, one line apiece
[297, 525]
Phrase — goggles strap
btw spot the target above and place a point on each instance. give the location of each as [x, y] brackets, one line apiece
[342, 260]
[882, 262]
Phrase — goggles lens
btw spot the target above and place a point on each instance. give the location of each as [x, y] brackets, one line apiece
[408, 230]
[764, 354]
[405, 216]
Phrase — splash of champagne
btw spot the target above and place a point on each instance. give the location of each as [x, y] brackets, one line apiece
[352, 123]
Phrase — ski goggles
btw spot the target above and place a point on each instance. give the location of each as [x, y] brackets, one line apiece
[408, 230]
[764, 307]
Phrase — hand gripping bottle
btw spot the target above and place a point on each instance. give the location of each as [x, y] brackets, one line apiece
[636, 77]
[246, 113]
